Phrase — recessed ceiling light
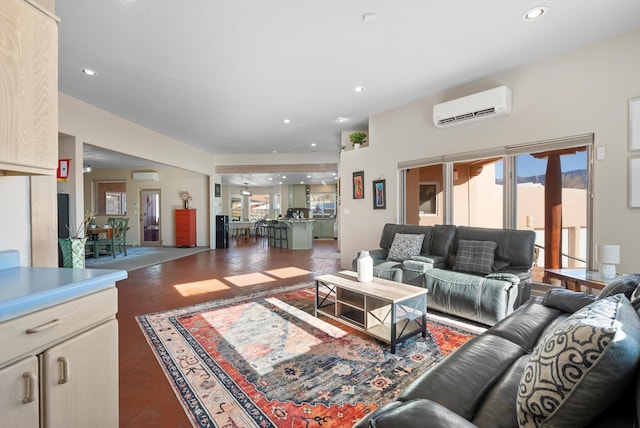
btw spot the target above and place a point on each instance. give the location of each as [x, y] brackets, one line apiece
[369, 17]
[308, 176]
[90, 72]
[359, 89]
[313, 144]
[341, 119]
[274, 151]
[270, 178]
[302, 182]
[287, 121]
[534, 13]
[284, 177]
[280, 182]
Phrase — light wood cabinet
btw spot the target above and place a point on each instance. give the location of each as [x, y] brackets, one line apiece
[19, 394]
[70, 355]
[29, 88]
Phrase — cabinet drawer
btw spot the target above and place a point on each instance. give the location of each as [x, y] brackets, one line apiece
[33, 332]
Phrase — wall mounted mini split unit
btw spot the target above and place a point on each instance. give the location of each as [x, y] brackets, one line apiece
[483, 105]
[146, 176]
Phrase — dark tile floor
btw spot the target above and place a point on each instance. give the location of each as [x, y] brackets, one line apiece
[146, 398]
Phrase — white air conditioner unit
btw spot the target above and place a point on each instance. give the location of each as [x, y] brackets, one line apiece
[146, 176]
[483, 105]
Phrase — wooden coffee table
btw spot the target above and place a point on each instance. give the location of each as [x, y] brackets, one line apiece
[387, 310]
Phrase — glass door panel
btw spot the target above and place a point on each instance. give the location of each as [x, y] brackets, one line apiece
[150, 217]
[478, 193]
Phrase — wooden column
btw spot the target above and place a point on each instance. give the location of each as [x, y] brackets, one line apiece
[553, 213]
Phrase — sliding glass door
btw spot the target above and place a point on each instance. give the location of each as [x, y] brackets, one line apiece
[543, 187]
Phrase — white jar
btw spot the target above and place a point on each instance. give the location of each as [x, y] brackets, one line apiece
[364, 265]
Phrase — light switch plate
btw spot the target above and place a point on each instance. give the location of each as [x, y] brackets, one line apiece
[600, 153]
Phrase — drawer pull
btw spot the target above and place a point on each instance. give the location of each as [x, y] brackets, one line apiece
[65, 370]
[44, 326]
[30, 383]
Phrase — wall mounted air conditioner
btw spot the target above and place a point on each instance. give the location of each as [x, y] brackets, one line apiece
[146, 176]
[483, 105]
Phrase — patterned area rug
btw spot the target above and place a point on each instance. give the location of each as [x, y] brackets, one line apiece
[265, 361]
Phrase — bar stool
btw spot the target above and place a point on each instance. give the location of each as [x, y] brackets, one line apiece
[280, 235]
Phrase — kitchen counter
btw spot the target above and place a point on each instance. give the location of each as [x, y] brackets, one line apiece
[24, 290]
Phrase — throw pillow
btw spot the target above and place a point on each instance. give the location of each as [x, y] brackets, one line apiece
[404, 246]
[580, 366]
[475, 256]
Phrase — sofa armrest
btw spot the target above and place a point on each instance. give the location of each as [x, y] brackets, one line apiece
[417, 413]
[567, 300]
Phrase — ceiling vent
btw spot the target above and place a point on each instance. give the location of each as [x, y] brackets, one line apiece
[146, 176]
[483, 105]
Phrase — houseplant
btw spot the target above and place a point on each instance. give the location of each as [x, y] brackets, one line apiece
[357, 139]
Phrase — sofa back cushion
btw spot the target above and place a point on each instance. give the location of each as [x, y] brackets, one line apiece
[514, 247]
[390, 229]
[443, 236]
[580, 366]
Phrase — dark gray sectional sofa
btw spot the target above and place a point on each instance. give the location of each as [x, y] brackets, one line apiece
[446, 266]
[566, 360]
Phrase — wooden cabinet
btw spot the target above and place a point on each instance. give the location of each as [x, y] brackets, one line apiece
[185, 228]
[19, 394]
[61, 369]
[29, 88]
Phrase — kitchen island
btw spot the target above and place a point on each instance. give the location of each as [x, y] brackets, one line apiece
[299, 233]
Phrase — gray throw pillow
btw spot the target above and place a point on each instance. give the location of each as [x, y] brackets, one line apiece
[404, 246]
[580, 366]
[475, 256]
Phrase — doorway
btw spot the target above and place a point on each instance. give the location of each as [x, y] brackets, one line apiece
[150, 223]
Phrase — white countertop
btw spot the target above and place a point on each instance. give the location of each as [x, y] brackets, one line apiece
[27, 289]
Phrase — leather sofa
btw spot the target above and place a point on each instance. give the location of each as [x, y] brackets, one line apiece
[547, 364]
[485, 297]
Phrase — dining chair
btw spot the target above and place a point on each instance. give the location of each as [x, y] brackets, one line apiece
[120, 225]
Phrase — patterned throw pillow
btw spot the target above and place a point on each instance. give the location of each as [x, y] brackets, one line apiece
[581, 366]
[404, 246]
[475, 256]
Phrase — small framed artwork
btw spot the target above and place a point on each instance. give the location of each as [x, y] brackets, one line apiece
[63, 170]
[634, 182]
[379, 195]
[358, 185]
[634, 124]
[217, 190]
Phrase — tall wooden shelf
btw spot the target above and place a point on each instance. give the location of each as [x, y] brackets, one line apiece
[185, 228]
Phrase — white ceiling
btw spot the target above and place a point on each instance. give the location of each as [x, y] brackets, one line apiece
[223, 75]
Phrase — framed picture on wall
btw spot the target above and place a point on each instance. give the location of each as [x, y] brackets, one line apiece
[379, 195]
[358, 185]
[217, 190]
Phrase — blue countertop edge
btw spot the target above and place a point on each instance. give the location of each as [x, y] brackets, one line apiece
[52, 287]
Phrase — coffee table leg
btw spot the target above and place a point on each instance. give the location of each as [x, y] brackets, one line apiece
[424, 325]
[393, 329]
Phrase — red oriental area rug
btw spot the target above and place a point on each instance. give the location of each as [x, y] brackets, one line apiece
[265, 361]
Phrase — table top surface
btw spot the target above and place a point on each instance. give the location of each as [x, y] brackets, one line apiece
[579, 275]
[380, 288]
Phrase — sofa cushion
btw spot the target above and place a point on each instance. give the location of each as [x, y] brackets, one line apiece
[404, 246]
[475, 256]
[579, 367]
[625, 284]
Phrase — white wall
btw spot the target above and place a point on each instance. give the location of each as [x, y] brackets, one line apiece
[581, 92]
